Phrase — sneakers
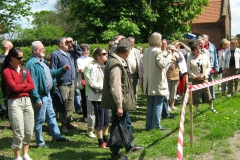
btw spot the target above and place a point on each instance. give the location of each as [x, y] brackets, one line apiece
[214, 110]
[19, 158]
[26, 157]
[169, 109]
[229, 95]
[137, 106]
[71, 126]
[91, 134]
[198, 112]
[62, 139]
[135, 148]
[104, 146]
[119, 156]
[173, 108]
[64, 129]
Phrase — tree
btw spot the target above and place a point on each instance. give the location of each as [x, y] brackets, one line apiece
[11, 10]
[102, 19]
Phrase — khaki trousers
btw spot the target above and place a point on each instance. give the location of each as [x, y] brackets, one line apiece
[21, 117]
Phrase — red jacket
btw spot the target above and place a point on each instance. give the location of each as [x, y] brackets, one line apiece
[15, 87]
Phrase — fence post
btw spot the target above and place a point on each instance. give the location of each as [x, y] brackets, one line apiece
[191, 113]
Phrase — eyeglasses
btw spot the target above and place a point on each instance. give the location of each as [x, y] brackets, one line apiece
[19, 58]
[104, 54]
[196, 49]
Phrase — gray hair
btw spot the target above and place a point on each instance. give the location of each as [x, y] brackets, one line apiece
[155, 40]
[61, 40]
[124, 45]
[35, 44]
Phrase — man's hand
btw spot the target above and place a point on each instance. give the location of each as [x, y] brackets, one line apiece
[66, 67]
[39, 104]
[120, 112]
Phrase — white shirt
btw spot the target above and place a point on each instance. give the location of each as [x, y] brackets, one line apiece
[82, 62]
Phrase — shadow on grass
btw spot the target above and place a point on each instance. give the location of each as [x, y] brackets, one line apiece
[5, 143]
[69, 154]
[2, 157]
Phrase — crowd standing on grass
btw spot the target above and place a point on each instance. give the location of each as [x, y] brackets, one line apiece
[109, 85]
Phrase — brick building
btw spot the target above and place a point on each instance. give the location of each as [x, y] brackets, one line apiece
[215, 21]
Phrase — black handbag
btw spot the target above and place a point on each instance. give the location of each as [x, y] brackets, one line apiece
[120, 136]
[57, 101]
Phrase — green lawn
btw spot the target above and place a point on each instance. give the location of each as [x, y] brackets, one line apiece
[210, 136]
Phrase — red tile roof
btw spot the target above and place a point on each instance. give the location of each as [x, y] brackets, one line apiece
[211, 13]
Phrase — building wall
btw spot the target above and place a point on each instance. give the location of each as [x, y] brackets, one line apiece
[216, 31]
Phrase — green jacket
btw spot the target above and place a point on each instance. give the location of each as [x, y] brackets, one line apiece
[38, 76]
[128, 102]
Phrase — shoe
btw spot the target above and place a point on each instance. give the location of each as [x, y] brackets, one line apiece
[91, 134]
[62, 139]
[229, 95]
[169, 109]
[26, 157]
[170, 117]
[64, 129]
[134, 149]
[137, 106]
[86, 120]
[71, 126]
[104, 146]
[19, 158]
[79, 112]
[219, 88]
[173, 108]
[163, 129]
[119, 156]
[214, 110]
[43, 146]
[198, 112]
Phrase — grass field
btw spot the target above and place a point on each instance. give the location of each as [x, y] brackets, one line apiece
[211, 136]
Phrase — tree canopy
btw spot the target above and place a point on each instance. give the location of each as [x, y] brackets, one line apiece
[101, 20]
[11, 11]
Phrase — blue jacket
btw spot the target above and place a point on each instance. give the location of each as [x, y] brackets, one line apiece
[213, 57]
[39, 78]
[58, 60]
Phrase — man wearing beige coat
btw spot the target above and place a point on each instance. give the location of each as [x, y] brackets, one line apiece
[155, 83]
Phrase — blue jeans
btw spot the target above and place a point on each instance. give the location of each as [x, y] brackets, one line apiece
[126, 121]
[165, 112]
[77, 100]
[154, 112]
[212, 90]
[46, 111]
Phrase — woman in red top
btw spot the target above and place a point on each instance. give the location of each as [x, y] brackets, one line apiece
[20, 109]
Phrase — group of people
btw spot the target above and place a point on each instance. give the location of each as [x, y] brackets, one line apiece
[109, 83]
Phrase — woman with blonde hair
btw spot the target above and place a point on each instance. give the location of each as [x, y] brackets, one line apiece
[154, 80]
[224, 44]
[231, 65]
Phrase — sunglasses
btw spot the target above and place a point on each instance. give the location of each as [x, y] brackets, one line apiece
[104, 54]
[19, 58]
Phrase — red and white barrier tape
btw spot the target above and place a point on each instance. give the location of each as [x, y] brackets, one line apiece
[194, 88]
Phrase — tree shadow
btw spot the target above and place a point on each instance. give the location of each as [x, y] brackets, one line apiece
[69, 154]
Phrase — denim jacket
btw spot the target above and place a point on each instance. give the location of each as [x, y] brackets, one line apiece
[213, 57]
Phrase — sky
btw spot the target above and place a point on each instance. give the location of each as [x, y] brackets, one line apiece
[234, 4]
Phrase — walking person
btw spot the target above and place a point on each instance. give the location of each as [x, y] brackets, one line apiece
[40, 96]
[18, 83]
[117, 93]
